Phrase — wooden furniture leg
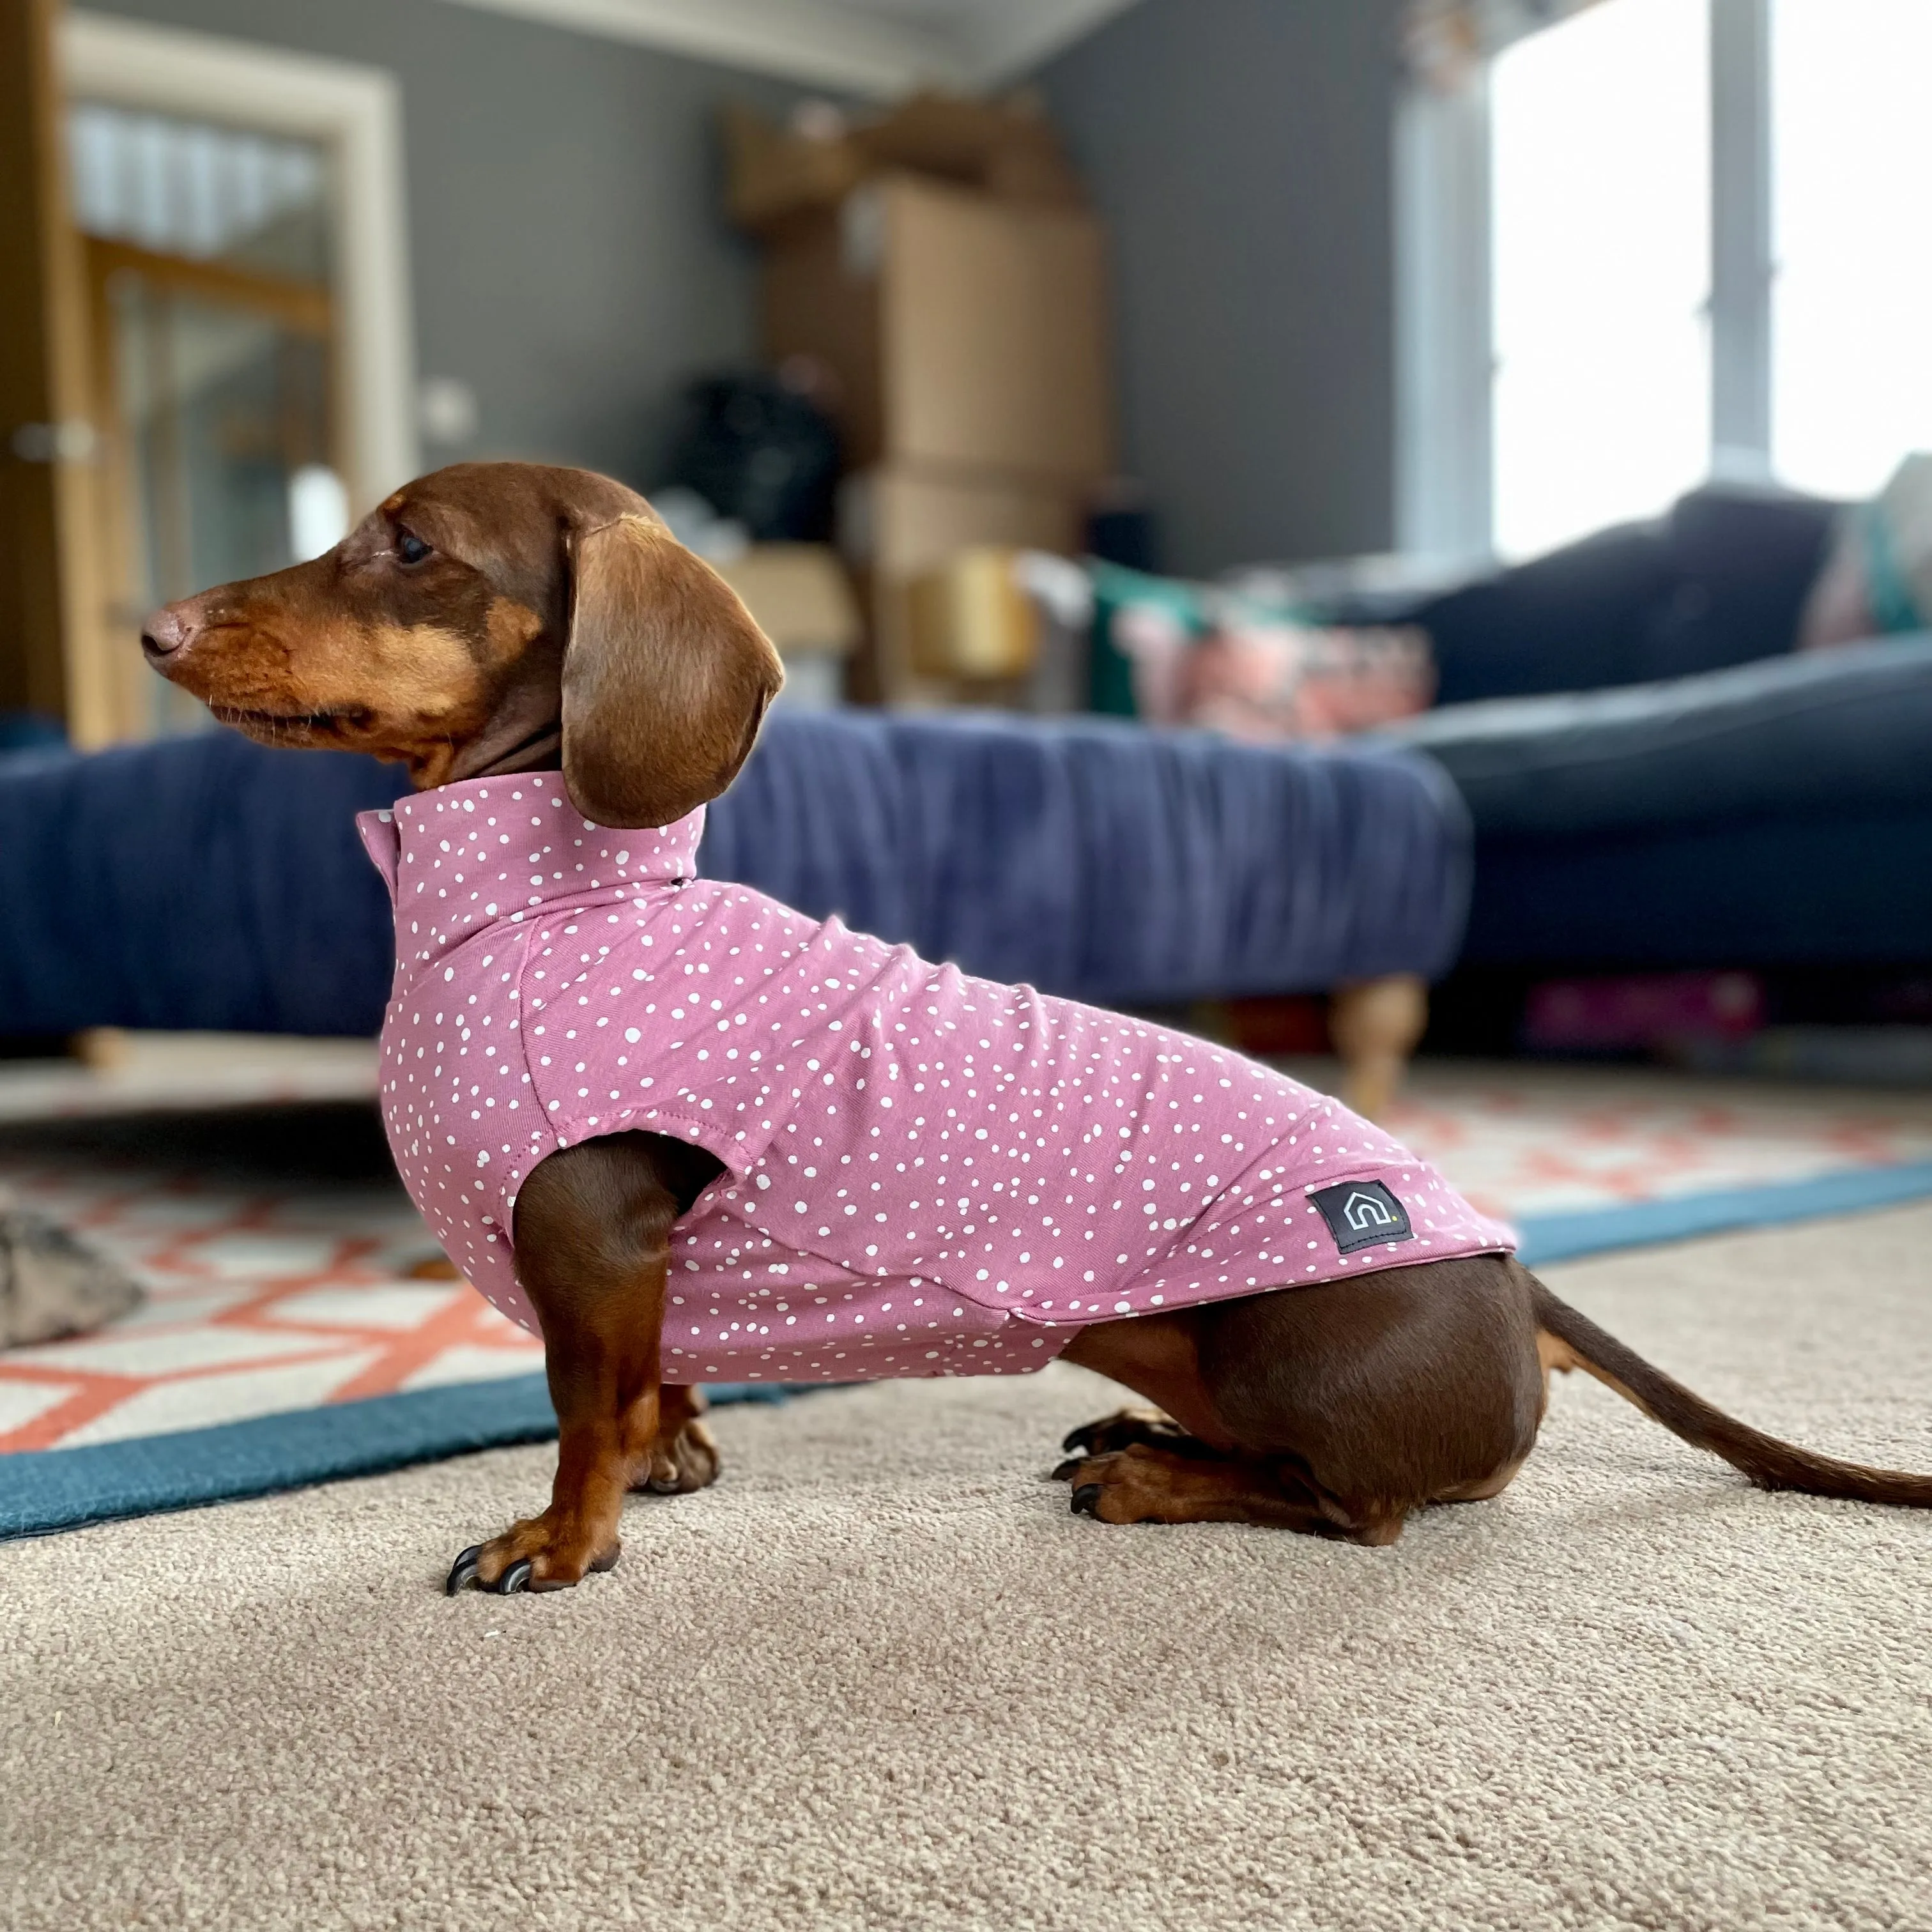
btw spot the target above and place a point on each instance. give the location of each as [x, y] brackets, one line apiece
[1375, 1025]
[104, 1049]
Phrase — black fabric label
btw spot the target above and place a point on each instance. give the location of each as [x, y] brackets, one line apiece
[1363, 1214]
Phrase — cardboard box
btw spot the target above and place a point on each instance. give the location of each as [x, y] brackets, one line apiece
[801, 596]
[900, 523]
[1007, 147]
[963, 331]
[815, 301]
[776, 173]
[900, 519]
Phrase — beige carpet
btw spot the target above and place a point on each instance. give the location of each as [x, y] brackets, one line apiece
[880, 1678]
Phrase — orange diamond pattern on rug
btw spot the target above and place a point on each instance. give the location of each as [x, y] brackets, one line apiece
[258, 1302]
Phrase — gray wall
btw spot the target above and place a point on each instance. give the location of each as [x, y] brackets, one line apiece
[570, 261]
[1240, 151]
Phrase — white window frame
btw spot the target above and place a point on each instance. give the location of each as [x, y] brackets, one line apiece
[1446, 352]
[355, 113]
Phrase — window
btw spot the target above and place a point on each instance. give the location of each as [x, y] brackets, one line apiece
[1851, 312]
[1661, 240]
[1601, 275]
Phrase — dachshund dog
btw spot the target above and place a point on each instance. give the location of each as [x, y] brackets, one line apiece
[567, 686]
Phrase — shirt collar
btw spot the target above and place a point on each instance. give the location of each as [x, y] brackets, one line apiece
[462, 856]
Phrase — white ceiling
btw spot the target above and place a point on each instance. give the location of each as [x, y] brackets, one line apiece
[881, 48]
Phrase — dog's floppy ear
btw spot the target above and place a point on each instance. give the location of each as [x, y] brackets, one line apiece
[665, 677]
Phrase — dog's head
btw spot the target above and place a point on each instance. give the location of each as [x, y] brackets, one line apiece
[490, 617]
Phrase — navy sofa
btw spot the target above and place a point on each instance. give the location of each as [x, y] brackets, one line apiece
[1656, 778]
[207, 883]
[1776, 813]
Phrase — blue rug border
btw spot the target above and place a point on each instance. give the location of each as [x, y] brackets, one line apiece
[1547, 1238]
[42, 1491]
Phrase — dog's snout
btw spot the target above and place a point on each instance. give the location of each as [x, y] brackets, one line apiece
[168, 630]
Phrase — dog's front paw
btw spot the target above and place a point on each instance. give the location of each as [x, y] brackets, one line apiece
[550, 1552]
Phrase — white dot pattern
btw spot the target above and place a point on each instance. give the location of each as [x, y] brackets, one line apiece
[926, 1173]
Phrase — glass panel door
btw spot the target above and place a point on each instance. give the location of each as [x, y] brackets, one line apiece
[208, 248]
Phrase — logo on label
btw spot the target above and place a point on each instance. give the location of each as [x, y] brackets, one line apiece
[1362, 1214]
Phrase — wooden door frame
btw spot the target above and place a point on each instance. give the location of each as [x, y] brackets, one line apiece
[356, 113]
[64, 643]
[52, 574]
[84, 667]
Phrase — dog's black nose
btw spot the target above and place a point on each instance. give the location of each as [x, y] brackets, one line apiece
[167, 632]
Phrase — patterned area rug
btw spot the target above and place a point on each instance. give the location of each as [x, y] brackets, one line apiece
[1586, 1159]
[246, 1184]
[259, 1301]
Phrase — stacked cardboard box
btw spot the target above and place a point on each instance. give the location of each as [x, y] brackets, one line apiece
[964, 329]
[800, 597]
[1005, 146]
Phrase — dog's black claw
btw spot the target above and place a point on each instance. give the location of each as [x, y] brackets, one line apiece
[1082, 1438]
[463, 1571]
[515, 1579]
[1063, 1471]
[1086, 1500]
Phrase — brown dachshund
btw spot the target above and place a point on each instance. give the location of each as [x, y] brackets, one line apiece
[483, 621]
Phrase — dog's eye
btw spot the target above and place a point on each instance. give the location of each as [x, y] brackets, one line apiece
[410, 547]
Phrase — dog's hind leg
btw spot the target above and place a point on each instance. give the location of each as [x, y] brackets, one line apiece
[1335, 1408]
[1393, 1389]
[1124, 1428]
[1143, 1483]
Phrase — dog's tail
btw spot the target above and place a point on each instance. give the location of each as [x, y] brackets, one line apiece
[1771, 1464]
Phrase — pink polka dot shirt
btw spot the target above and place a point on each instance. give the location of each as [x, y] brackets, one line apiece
[925, 1173]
